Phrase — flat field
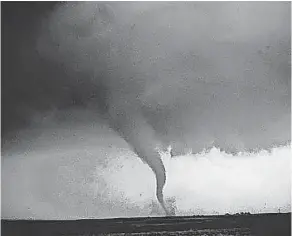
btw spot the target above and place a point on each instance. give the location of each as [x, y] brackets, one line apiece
[239, 224]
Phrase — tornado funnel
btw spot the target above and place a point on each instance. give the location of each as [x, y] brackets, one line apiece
[131, 126]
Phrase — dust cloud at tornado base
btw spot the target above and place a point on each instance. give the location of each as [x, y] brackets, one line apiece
[192, 86]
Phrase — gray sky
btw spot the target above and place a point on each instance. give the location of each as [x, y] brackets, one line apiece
[196, 65]
[193, 74]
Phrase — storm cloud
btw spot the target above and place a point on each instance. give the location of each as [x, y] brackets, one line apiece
[193, 75]
[191, 66]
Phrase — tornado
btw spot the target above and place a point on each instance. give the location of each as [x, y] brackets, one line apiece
[82, 38]
[133, 128]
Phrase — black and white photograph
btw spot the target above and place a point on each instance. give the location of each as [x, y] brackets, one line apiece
[146, 118]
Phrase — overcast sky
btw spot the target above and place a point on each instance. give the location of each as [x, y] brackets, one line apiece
[201, 74]
[197, 65]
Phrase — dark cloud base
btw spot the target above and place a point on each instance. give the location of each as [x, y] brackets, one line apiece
[197, 112]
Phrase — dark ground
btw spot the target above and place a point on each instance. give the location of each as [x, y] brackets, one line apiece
[244, 224]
